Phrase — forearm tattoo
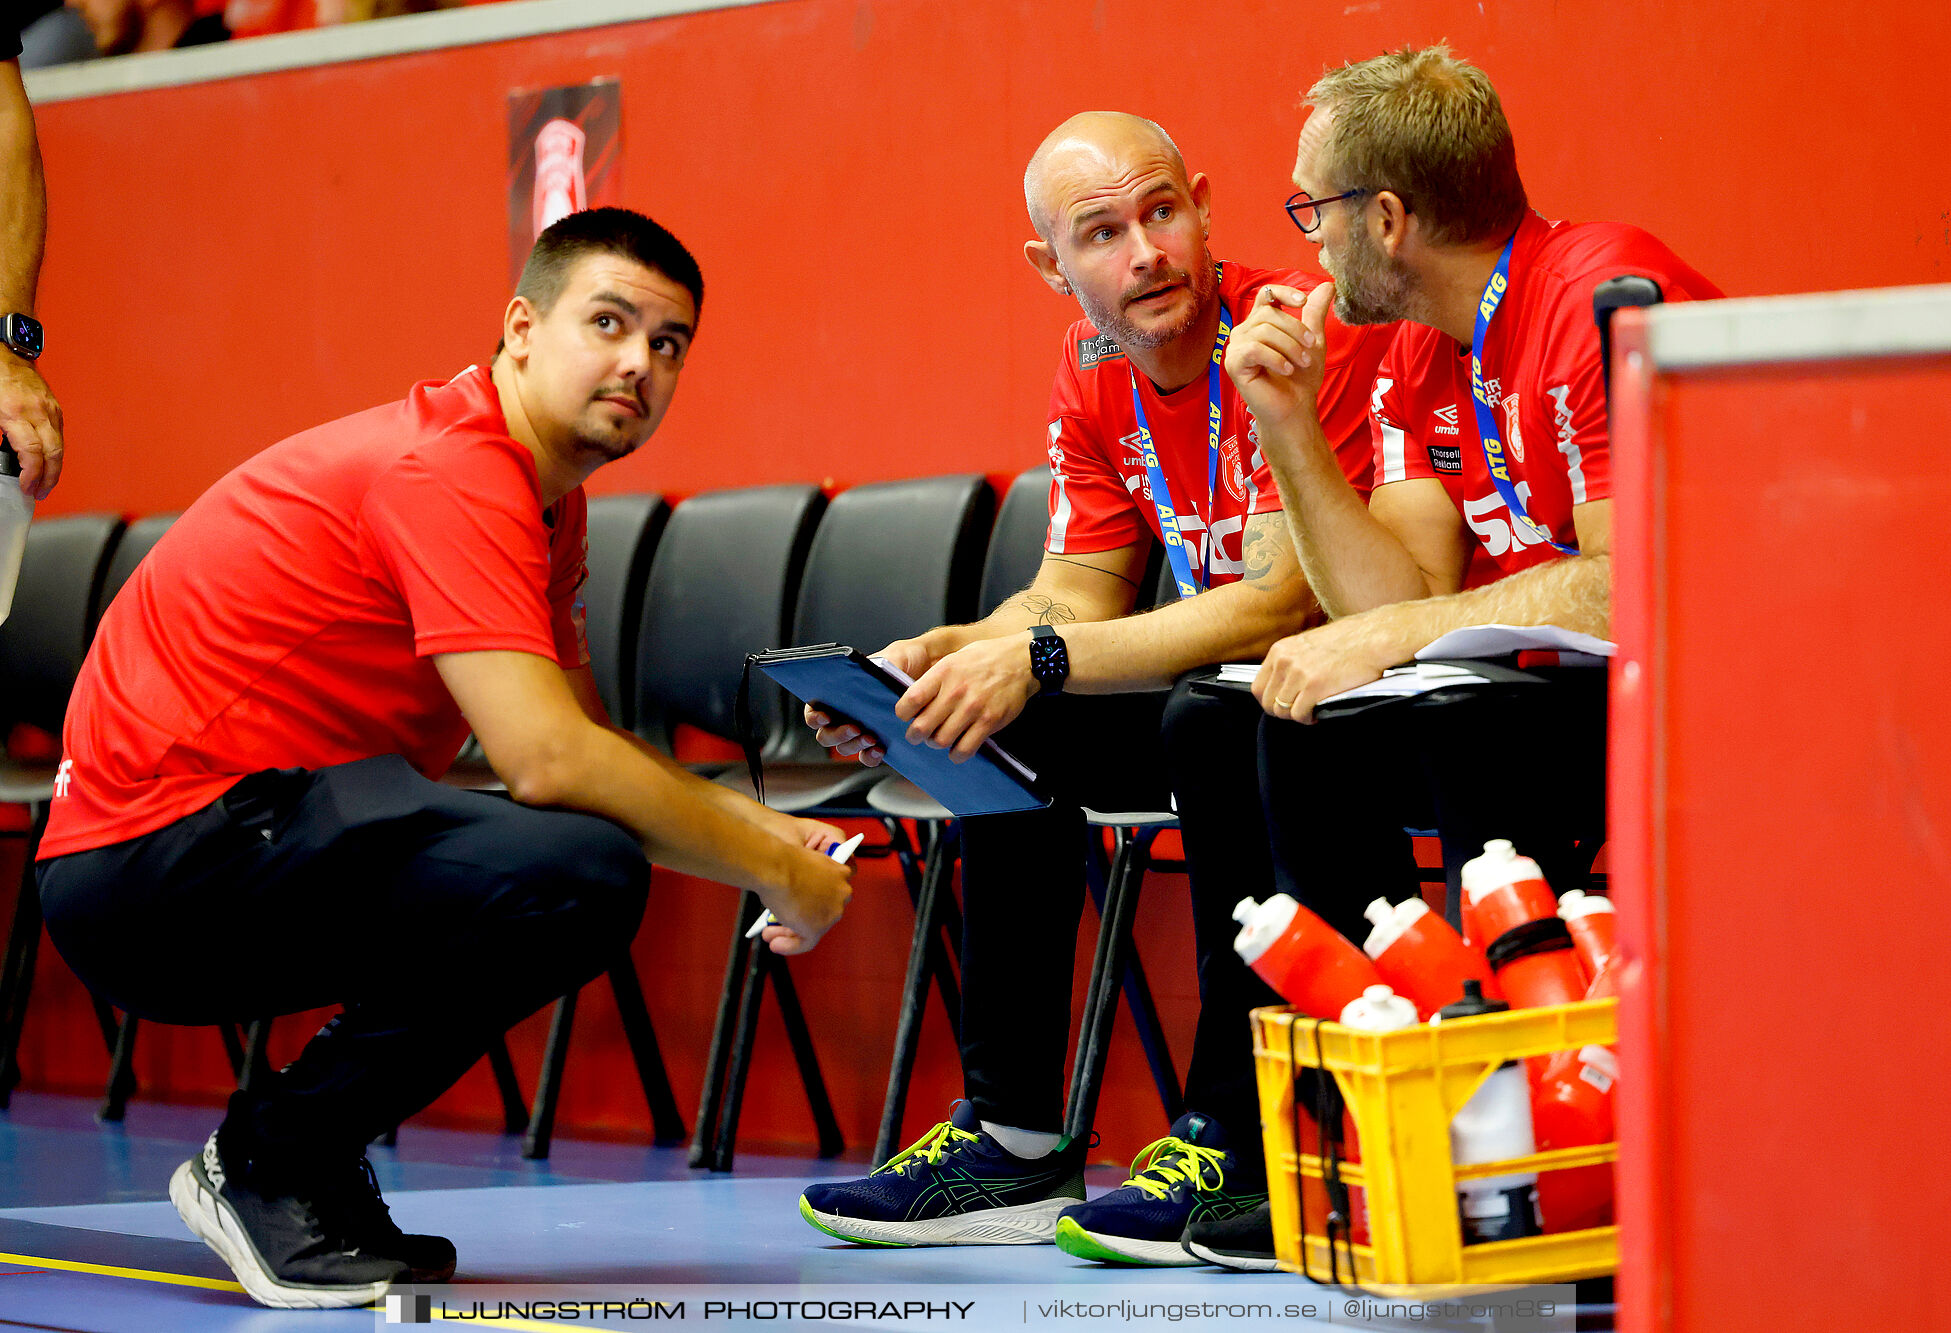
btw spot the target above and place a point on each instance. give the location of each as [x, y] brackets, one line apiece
[1047, 611]
[1259, 552]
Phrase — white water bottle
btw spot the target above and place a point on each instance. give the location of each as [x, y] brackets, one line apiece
[1493, 1125]
[16, 512]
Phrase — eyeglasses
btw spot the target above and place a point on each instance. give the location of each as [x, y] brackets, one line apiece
[1306, 211]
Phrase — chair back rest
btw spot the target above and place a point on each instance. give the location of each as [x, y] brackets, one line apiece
[138, 539]
[892, 559]
[623, 534]
[1156, 586]
[46, 636]
[1016, 546]
[722, 585]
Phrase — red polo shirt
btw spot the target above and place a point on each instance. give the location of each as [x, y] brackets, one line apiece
[288, 619]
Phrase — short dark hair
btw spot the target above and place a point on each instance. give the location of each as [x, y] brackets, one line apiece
[615, 231]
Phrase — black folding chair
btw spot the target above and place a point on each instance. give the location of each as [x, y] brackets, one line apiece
[889, 560]
[723, 583]
[42, 645]
[1015, 553]
[624, 533]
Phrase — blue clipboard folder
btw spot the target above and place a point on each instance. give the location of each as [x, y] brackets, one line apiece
[845, 683]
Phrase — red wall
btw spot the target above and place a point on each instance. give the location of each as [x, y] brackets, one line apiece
[234, 261]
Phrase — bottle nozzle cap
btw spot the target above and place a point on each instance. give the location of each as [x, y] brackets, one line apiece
[1473, 1002]
[1379, 911]
[1379, 993]
[1500, 849]
[1244, 909]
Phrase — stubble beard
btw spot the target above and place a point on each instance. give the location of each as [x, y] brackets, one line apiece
[1202, 282]
[1370, 287]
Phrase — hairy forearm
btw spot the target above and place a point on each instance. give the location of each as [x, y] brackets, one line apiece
[1574, 593]
[23, 197]
[690, 825]
[1238, 622]
[1352, 562]
[1044, 602]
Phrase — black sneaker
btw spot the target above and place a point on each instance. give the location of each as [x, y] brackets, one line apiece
[955, 1186]
[1181, 1179]
[275, 1242]
[355, 1210]
[1245, 1241]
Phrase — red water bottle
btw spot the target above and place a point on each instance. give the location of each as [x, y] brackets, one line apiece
[1308, 961]
[1421, 957]
[1571, 1107]
[1516, 914]
[1595, 934]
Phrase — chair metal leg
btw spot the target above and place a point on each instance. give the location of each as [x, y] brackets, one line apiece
[256, 1059]
[914, 871]
[745, 1032]
[718, 1057]
[914, 991]
[548, 1085]
[1107, 968]
[1151, 1037]
[666, 1121]
[233, 1048]
[514, 1111]
[826, 1126]
[121, 1072]
[23, 946]
[106, 1022]
[1138, 991]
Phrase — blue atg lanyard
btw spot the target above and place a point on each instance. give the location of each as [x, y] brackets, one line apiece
[1500, 470]
[1168, 519]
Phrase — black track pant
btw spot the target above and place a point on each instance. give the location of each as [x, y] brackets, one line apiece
[1525, 763]
[437, 917]
[1024, 893]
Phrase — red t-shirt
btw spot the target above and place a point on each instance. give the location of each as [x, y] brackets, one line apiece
[1100, 498]
[288, 619]
[1541, 367]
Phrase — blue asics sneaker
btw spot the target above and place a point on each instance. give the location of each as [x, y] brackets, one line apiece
[955, 1186]
[1188, 1176]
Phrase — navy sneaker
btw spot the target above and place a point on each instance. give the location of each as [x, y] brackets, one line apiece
[955, 1186]
[1244, 1241]
[1186, 1177]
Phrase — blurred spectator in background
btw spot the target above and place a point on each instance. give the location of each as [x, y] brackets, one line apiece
[29, 416]
[122, 26]
[83, 29]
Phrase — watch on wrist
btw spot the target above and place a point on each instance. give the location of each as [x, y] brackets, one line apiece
[1049, 660]
[21, 335]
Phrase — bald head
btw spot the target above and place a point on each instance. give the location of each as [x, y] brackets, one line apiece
[1091, 143]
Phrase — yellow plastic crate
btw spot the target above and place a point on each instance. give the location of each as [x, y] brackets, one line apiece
[1402, 1089]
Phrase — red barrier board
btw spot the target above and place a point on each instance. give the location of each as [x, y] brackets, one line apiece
[1781, 814]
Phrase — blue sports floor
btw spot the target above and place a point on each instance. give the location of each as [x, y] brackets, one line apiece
[89, 1241]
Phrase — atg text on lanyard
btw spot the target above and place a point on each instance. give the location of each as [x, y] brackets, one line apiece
[1168, 518]
[1500, 470]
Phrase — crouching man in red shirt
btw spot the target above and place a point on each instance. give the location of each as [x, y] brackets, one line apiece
[250, 823]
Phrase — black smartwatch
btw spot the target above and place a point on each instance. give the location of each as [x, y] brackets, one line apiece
[21, 335]
[1049, 660]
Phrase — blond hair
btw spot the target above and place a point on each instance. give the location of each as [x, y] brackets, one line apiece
[1428, 127]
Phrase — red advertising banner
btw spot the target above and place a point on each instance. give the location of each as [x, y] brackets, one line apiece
[562, 158]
